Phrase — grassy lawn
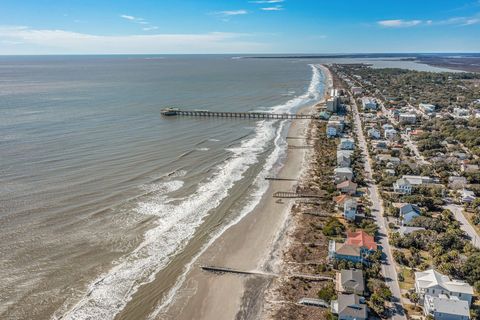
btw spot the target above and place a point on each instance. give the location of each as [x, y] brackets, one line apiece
[409, 281]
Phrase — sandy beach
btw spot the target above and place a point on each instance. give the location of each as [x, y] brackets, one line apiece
[252, 244]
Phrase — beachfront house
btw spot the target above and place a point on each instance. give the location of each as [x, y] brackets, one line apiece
[445, 307]
[346, 144]
[350, 281]
[343, 251]
[343, 174]
[349, 307]
[331, 130]
[408, 212]
[347, 187]
[344, 158]
[433, 283]
[358, 246]
[335, 126]
[350, 209]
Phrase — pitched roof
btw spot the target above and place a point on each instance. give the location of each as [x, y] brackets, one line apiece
[361, 239]
[350, 305]
[345, 249]
[443, 304]
[352, 279]
[346, 184]
[341, 199]
[432, 278]
[407, 208]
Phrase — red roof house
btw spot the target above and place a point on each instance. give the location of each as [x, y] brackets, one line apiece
[361, 239]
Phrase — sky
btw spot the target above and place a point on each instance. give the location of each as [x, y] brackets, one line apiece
[238, 26]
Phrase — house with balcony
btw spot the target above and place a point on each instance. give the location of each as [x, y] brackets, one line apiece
[434, 284]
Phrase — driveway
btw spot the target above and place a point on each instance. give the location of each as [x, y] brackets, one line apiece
[465, 225]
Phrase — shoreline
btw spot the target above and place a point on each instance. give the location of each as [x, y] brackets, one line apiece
[253, 243]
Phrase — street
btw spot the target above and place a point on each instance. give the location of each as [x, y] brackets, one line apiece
[388, 268]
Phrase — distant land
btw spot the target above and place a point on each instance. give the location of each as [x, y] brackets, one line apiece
[469, 62]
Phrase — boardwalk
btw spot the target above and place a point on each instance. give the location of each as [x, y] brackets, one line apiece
[248, 115]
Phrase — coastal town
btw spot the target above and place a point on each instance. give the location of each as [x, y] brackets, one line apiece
[396, 229]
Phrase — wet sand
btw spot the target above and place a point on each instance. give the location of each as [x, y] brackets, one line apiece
[252, 244]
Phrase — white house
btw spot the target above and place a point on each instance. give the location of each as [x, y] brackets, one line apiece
[432, 283]
[346, 144]
[343, 174]
[467, 196]
[459, 112]
[448, 308]
[350, 209]
[427, 108]
[402, 186]
[369, 103]
[418, 180]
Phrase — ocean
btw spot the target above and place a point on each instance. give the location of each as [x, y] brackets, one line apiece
[100, 194]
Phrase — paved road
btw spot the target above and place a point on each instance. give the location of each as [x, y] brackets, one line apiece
[388, 268]
[413, 146]
[464, 224]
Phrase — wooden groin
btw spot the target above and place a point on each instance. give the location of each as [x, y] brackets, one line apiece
[222, 270]
[225, 270]
[222, 114]
[280, 179]
[285, 194]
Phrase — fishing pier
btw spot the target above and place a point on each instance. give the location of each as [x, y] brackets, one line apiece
[170, 112]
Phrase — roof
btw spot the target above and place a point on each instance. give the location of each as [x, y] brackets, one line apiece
[432, 278]
[407, 208]
[403, 230]
[361, 239]
[349, 305]
[402, 182]
[343, 170]
[352, 279]
[443, 304]
[341, 199]
[346, 184]
[345, 249]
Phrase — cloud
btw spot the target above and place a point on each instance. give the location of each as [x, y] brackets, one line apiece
[399, 23]
[455, 21]
[141, 21]
[276, 8]
[131, 18]
[228, 13]
[53, 41]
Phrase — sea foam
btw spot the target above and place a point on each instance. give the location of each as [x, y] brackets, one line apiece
[177, 222]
